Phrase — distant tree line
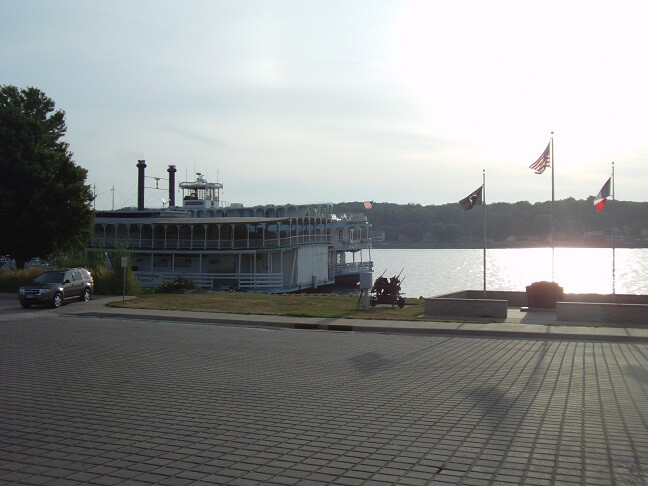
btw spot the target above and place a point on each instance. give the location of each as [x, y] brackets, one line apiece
[522, 223]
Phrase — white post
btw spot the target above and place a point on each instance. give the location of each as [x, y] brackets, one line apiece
[553, 231]
[484, 202]
[613, 237]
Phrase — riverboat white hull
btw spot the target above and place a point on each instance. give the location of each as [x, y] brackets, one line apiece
[283, 248]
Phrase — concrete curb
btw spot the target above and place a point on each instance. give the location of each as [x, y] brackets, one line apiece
[400, 327]
[518, 325]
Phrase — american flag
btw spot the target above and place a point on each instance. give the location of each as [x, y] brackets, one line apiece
[543, 162]
[368, 204]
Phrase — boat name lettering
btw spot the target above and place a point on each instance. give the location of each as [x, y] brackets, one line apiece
[148, 278]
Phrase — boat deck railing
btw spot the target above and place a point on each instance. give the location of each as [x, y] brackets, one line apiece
[205, 244]
[352, 245]
[353, 267]
[215, 281]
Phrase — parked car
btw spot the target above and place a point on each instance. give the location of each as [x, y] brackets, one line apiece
[55, 286]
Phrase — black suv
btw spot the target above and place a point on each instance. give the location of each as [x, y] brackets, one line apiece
[55, 286]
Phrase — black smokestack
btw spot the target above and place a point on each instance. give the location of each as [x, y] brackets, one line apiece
[171, 170]
[140, 185]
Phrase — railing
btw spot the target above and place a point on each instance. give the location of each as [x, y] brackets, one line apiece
[209, 281]
[260, 280]
[349, 218]
[202, 244]
[358, 244]
[355, 267]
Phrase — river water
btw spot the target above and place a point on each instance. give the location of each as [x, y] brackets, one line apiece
[429, 273]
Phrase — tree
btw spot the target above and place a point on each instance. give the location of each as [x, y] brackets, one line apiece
[542, 225]
[437, 231]
[573, 220]
[411, 230]
[44, 201]
[452, 232]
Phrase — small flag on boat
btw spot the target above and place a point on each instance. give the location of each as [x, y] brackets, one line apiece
[604, 193]
[471, 199]
[543, 161]
[368, 204]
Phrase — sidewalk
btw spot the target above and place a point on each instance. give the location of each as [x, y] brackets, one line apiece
[519, 324]
[132, 396]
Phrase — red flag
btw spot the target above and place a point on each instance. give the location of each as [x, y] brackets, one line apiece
[543, 161]
[368, 204]
[601, 197]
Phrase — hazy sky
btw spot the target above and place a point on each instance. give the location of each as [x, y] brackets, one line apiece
[340, 100]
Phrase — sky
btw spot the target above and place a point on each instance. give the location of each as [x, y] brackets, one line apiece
[309, 101]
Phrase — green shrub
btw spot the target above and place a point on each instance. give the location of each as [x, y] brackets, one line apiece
[12, 280]
[179, 284]
[109, 281]
[95, 261]
[69, 259]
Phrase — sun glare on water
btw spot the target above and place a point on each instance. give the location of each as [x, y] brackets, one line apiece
[576, 270]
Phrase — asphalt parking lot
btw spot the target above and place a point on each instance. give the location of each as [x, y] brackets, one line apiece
[90, 400]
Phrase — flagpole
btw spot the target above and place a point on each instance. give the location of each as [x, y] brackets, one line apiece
[553, 232]
[613, 237]
[370, 234]
[484, 199]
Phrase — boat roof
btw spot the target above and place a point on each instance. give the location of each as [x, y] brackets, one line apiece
[189, 220]
[200, 183]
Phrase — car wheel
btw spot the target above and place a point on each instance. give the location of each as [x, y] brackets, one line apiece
[57, 301]
[85, 296]
[25, 305]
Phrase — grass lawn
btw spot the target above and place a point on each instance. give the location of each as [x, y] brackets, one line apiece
[298, 305]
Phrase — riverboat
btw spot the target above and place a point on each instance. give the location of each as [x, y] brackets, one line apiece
[220, 245]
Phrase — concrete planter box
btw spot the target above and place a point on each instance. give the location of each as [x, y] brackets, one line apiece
[607, 298]
[619, 315]
[513, 298]
[455, 307]
[621, 310]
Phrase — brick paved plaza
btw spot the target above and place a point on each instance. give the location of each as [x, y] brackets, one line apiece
[101, 401]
